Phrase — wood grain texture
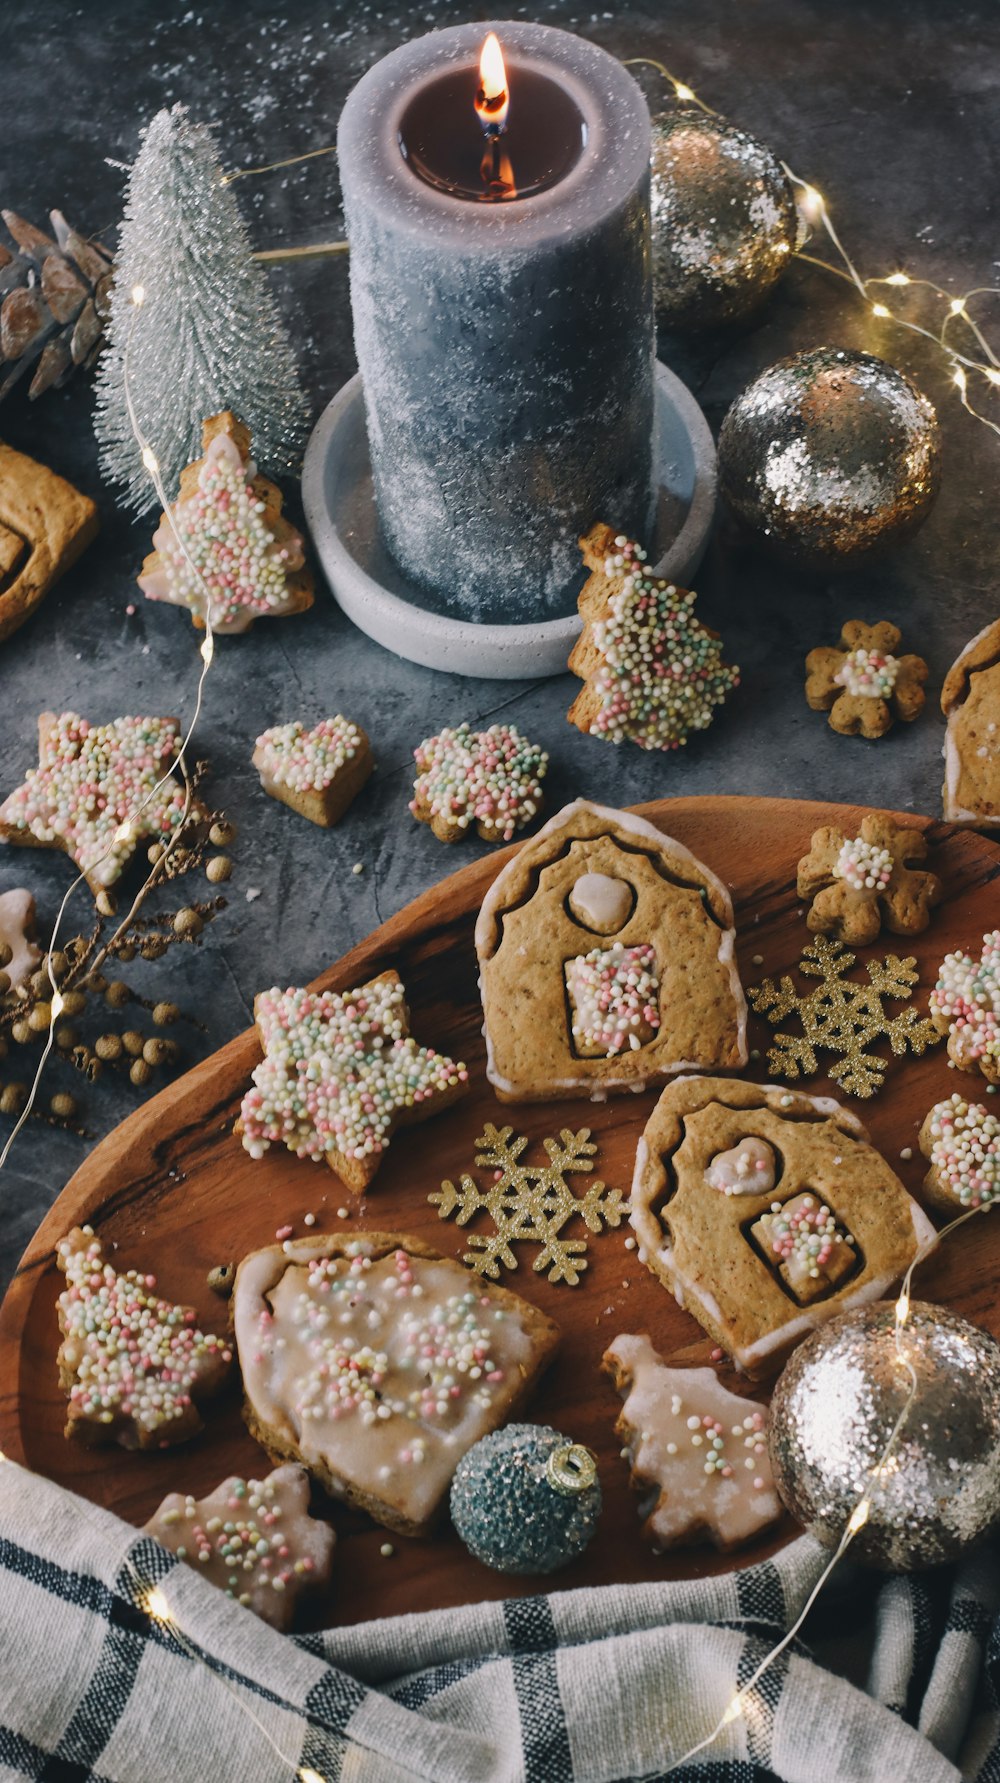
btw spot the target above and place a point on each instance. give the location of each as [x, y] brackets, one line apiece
[171, 1190]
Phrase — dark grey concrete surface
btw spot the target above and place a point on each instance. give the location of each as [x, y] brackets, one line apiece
[890, 108]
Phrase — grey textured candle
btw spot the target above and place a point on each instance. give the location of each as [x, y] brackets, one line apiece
[506, 347]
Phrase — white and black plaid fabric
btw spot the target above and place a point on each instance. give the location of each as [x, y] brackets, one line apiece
[570, 1687]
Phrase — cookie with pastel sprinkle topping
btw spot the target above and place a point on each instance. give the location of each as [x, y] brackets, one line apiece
[856, 884]
[652, 673]
[254, 1539]
[862, 683]
[491, 779]
[317, 772]
[377, 1363]
[961, 1141]
[99, 790]
[135, 1368]
[340, 1073]
[224, 548]
[965, 1005]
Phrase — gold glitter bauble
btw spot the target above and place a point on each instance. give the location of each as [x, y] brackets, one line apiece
[723, 222]
[833, 1412]
[831, 453]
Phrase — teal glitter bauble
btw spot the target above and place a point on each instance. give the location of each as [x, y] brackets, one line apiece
[526, 1499]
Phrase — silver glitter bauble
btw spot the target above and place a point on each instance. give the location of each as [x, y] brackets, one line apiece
[723, 222]
[525, 1499]
[833, 1411]
[831, 453]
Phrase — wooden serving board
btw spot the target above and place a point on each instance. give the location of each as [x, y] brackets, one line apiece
[171, 1190]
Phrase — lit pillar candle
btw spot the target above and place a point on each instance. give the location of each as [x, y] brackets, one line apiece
[503, 319]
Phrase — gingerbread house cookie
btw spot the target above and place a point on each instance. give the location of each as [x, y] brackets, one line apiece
[607, 962]
[697, 1453]
[761, 1256]
[378, 1363]
[225, 549]
[254, 1539]
[970, 700]
[317, 772]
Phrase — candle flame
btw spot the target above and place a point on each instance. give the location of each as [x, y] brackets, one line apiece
[492, 99]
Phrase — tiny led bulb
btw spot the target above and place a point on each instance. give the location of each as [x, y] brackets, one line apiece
[158, 1606]
[734, 1711]
[308, 1775]
[682, 91]
[57, 1004]
[150, 459]
[991, 374]
[879, 309]
[812, 203]
[124, 832]
[859, 1516]
[903, 1307]
[138, 295]
[956, 306]
[208, 649]
[959, 377]
[898, 278]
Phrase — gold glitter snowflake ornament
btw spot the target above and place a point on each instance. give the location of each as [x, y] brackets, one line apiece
[843, 1017]
[530, 1203]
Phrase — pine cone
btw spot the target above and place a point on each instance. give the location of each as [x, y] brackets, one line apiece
[54, 298]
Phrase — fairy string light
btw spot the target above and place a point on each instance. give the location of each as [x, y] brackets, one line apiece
[125, 831]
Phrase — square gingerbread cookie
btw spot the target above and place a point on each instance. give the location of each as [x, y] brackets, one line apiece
[765, 1212]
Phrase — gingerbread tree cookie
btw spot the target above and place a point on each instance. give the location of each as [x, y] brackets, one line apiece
[18, 953]
[340, 1073]
[254, 1539]
[961, 1141]
[854, 884]
[970, 700]
[317, 772]
[488, 778]
[862, 685]
[697, 1452]
[224, 546]
[652, 672]
[135, 1368]
[965, 1005]
[98, 791]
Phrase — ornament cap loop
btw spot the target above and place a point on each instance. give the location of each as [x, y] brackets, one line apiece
[572, 1468]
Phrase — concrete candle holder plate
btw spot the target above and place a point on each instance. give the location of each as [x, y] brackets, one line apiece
[339, 504]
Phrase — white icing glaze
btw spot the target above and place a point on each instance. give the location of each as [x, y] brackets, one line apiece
[746, 1169]
[17, 915]
[702, 1448]
[383, 1369]
[602, 902]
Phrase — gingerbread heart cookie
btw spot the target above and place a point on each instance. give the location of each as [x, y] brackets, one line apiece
[607, 961]
[828, 1226]
[317, 772]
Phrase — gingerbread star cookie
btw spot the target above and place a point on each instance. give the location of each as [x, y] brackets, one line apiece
[378, 1363]
[18, 953]
[961, 1140]
[854, 884]
[492, 779]
[764, 1212]
[224, 548]
[317, 772]
[254, 1539]
[135, 1368]
[340, 1073]
[98, 790]
[965, 1005]
[652, 672]
[862, 684]
[970, 700]
[697, 1452]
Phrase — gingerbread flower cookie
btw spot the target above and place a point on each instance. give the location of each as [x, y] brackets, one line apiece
[18, 953]
[98, 791]
[854, 884]
[970, 700]
[652, 672]
[697, 1452]
[223, 547]
[135, 1368]
[862, 684]
[254, 1539]
[965, 1005]
[492, 779]
[340, 1073]
[317, 772]
[378, 1363]
[961, 1141]
[607, 961]
[760, 1257]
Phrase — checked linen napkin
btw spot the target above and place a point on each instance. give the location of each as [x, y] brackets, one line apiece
[572, 1687]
